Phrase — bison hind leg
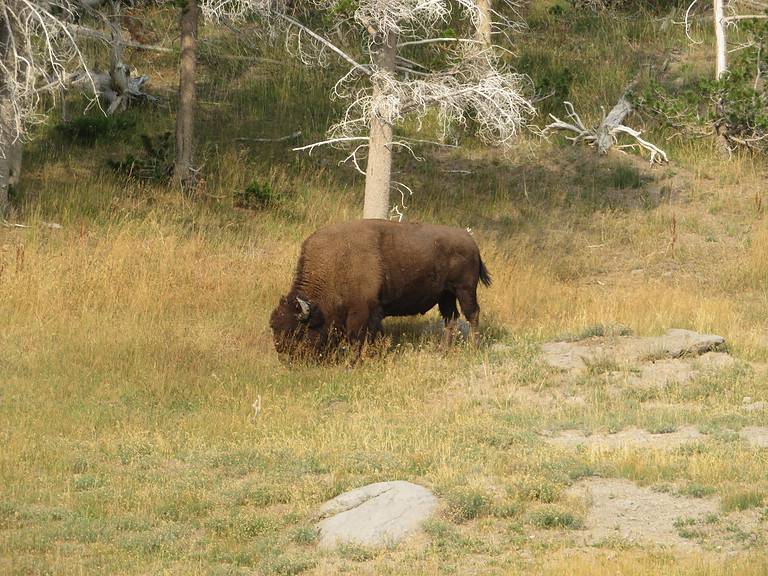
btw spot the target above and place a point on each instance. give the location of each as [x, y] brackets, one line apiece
[471, 310]
[449, 312]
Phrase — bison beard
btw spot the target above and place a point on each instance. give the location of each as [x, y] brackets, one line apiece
[352, 275]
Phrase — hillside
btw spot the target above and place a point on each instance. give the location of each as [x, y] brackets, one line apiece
[148, 426]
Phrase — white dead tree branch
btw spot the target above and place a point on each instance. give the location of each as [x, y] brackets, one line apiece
[392, 88]
[115, 88]
[38, 55]
[606, 134]
[727, 13]
[383, 91]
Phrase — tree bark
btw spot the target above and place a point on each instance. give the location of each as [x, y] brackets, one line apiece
[483, 32]
[5, 131]
[185, 116]
[5, 171]
[378, 172]
[722, 63]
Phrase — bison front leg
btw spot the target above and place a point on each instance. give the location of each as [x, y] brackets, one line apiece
[363, 325]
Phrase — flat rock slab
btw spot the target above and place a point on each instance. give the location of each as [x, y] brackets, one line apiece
[676, 343]
[620, 508]
[375, 515]
[629, 438]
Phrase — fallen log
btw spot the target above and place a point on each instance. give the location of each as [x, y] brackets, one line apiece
[605, 136]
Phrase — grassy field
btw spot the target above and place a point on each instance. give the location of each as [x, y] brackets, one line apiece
[135, 339]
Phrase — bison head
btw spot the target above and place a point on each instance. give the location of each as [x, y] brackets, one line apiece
[297, 324]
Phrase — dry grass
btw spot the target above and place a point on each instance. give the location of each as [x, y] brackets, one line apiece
[135, 344]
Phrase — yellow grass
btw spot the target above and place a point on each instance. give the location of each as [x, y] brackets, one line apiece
[135, 344]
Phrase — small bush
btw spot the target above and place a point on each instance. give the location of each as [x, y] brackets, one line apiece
[467, 505]
[305, 535]
[697, 490]
[254, 526]
[257, 196]
[86, 482]
[538, 491]
[549, 517]
[549, 77]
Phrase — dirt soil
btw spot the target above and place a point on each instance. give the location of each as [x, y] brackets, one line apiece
[619, 509]
[631, 437]
[622, 513]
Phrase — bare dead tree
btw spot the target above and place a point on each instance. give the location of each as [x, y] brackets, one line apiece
[115, 88]
[38, 55]
[727, 14]
[389, 89]
[484, 22]
[379, 168]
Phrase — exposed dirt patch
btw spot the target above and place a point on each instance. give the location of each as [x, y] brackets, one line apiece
[757, 436]
[619, 509]
[659, 373]
[595, 352]
[629, 438]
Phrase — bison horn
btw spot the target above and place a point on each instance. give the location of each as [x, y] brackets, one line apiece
[304, 305]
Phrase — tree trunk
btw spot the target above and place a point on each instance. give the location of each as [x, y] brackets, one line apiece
[14, 156]
[5, 171]
[185, 116]
[378, 172]
[5, 130]
[722, 64]
[483, 32]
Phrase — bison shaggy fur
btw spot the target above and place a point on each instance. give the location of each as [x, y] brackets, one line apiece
[352, 275]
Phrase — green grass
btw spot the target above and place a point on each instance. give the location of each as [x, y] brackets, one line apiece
[743, 500]
[549, 517]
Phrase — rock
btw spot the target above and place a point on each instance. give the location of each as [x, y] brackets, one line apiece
[375, 515]
[677, 342]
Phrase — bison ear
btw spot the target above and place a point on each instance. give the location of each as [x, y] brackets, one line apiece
[305, 308]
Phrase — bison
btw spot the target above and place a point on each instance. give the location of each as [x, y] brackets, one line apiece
[352, 275]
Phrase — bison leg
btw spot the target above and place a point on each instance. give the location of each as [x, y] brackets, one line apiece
[471, 310]
[363, 325]
[449, 312]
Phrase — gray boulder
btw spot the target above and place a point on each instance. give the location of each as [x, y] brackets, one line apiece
[375, 515]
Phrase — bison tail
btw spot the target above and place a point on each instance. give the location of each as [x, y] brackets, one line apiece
[485, 276]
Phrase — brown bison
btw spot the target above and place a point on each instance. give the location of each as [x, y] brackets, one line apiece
[351, 275]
